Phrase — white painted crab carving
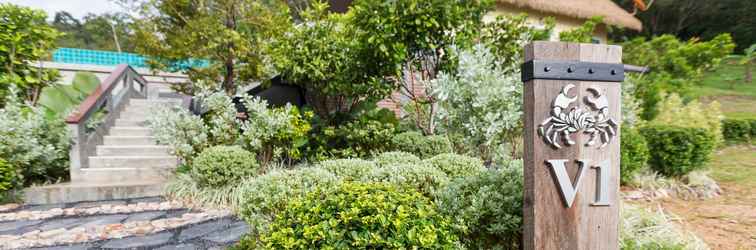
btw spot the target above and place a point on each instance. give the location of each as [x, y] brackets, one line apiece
[562, 123]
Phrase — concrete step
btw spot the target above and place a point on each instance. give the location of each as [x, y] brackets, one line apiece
[130, 123]
[119, 175]
[128, 140]
[77, 191]
[141, 150]
[110, 162]
[154, 101]
[130, 131]
[134, 116]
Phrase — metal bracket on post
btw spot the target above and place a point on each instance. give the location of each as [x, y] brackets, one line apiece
[572, 70]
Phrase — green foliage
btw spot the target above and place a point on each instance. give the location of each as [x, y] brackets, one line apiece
[25, 36]
[279, 133]
[752, 123]
[676, 151]
[185, 133]
[653, 230]
[7, 178]
[736, 130]
[486, 208]
[675, 65]
[634, 153]
[262, 198]
[107, 31]
[481, 102]
[360, 216]
[230, 34]
[323, 55]
[456, 166]
[582, 34]
[422, 177]
[59, 100]
[396, 157]
[672, 111]
[348, 169]
[506, 35]
[365, 133]
[33, 145]
[420, 145]
[222, 165]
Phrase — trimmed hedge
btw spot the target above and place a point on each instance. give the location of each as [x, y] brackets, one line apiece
[633, 153]
[360, 216]
[348, 169]
[221, 165]
[423, 177]
[676, 151]
[394, 158]
[420, 145]
[455, 165]
[736, 130]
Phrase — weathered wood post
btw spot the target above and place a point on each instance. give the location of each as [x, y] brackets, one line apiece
[572, 124]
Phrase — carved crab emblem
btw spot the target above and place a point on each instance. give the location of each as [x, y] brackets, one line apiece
[595, 122]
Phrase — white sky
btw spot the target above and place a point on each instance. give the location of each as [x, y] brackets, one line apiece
[77, 8]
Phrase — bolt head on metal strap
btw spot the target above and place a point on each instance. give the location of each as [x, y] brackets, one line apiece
[572, 70]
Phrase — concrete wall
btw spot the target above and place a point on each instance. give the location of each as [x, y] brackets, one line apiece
[535, 18]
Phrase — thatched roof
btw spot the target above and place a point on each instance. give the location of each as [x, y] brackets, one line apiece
[582, 9]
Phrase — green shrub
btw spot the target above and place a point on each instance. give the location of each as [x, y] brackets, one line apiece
[366, 134]
[348, 169]
[423, 177]
[7, 178]
[455, 165]
[360, 216]
[736, 130]
[486, 208]
[261, 198]
[752, 123]
[420, 145]
[221, 165]
[633, 153]
[676, 151]
[392, 158]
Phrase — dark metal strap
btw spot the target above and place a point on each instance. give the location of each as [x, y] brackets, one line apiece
[572, 70]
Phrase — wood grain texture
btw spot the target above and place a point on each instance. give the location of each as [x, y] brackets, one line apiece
[548, 223]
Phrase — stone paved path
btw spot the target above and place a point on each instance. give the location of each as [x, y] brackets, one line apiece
[145, 223]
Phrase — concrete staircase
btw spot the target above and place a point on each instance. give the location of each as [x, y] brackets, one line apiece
[128, 164]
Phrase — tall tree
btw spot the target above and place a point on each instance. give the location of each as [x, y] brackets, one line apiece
[109, 31]
[229, 34]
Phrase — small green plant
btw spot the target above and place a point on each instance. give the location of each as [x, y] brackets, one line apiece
[736, 130]
[221, 165]
[676, 151]
[633, 154]
[486, 208]
[420, 145]
[422, 177]
[348, 169]
[7, 179]
[582, 34]
[393, 158]
[752, 123]
[456, 166]
[262, 198]
[361, 216]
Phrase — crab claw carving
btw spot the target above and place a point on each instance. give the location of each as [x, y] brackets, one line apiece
[598, 103]
[562, 100]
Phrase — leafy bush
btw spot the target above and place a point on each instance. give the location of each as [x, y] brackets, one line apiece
[360, 216]
[7, 178]
[752, 123]
[221, 165]
[422, 177]
[365, 133]
[275, 132]
[455, 165]
[737, 130]
[262, 197]
[633, 153]
[394, 158]
[486, 208]
[420, 145]
[185, 133]
[673, 112]
[676, 151]
[348, 169]
[481, 101]
[33, 145]
[582, 34]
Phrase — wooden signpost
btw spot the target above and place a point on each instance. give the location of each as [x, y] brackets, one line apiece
[572, 124]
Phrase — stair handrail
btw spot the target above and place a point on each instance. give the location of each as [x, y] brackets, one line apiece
[112, 95]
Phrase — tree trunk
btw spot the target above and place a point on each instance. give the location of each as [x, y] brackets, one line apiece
[228, 78]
